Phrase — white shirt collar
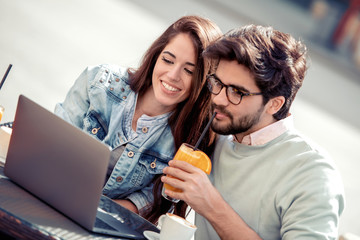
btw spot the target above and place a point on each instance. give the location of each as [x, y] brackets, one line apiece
[268, 133]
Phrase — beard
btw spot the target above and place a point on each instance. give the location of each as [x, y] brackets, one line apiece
[237, 125]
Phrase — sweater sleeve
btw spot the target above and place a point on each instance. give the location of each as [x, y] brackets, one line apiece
[312, 202]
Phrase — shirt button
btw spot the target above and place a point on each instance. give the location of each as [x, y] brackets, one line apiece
[124, 97]
[144, 129]
[130, 154]
[119, 179]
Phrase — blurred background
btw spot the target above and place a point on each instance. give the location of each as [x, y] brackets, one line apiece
[50, 42]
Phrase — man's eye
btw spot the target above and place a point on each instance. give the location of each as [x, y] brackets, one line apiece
[217, 82]
[167, 60]
[236, 91]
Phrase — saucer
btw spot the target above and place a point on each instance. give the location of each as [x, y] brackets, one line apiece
[150, 235]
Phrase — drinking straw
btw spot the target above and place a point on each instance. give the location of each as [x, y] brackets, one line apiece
[7, 124]
[6, 73]
[205, 130]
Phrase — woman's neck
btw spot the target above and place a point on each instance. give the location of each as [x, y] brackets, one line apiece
[147, 104]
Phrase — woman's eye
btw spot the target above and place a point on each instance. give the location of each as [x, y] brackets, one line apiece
[188, 71]
[167, 60]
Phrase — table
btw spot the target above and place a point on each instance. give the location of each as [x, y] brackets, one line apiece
[23, 216]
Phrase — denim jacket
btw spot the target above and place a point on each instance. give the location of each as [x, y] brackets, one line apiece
[102, 104]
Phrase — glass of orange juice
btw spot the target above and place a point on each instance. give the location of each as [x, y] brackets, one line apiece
[1, 111]
[197, 158]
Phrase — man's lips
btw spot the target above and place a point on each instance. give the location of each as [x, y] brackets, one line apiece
[220, 115]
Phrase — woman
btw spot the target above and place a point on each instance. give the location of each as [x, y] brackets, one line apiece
[144, 115]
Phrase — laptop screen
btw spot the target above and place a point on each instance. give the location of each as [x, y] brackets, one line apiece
[57, 162]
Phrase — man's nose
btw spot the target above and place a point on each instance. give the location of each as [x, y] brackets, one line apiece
[221, 99]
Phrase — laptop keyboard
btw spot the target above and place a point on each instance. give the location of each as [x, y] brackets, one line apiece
[112, 222]
[103, 220]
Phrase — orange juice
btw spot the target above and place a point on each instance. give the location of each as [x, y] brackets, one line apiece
[1, 111]
[196, 158]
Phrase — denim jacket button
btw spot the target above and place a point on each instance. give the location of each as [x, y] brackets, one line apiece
[124, 97]
[122, 89]
[119, 179]
[153, 164]
[117, 79]
[94, 130]
[130, 154]
[111, 89]
[144, 129]
[101, 81]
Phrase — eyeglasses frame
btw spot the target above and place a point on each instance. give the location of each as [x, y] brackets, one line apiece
[242, 94]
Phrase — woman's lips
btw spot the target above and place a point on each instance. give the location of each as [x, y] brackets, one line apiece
[169, 87]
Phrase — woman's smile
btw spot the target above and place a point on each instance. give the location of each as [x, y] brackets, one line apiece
[169, 87]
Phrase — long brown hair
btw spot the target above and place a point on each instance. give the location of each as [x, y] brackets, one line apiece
[190, 116]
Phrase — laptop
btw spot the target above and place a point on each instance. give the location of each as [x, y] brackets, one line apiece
[66, 168]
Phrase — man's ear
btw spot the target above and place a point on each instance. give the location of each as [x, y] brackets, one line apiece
[275, 104]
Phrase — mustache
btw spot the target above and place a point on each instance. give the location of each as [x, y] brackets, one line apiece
[220, 109]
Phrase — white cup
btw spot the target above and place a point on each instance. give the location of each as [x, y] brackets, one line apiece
[175, 228]
[5, 134]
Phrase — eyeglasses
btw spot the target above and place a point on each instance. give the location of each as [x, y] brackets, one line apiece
[233, 94]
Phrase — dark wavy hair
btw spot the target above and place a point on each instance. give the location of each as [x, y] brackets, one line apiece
[191, 115]
[276, 60]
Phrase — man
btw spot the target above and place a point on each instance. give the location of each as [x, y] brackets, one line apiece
[267, 181]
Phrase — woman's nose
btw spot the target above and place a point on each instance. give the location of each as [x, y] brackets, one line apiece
[174, 73]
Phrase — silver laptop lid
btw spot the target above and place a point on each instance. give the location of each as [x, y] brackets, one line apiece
[57, 162]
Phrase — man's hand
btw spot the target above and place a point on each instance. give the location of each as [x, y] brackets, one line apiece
[199, 193]
[197, 190]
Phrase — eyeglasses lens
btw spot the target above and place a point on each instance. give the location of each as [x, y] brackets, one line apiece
[215, 87]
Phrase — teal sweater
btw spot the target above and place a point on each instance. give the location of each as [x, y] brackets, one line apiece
[285, 189]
